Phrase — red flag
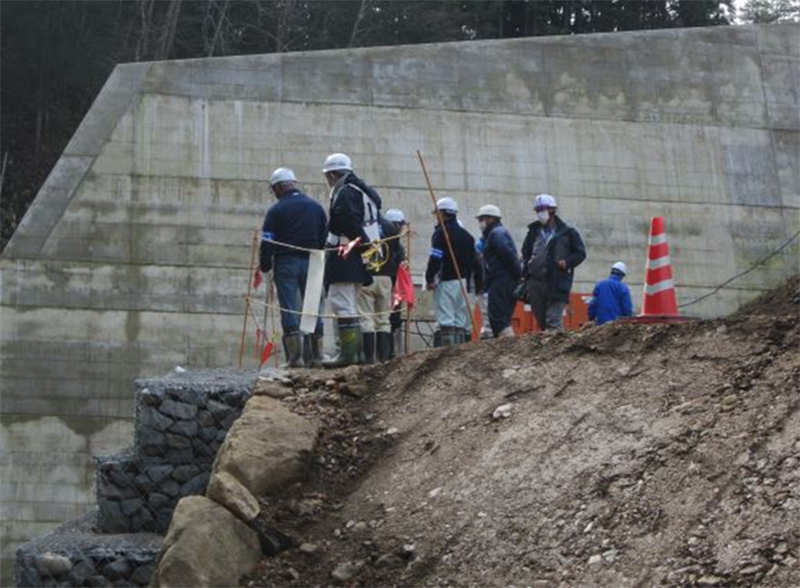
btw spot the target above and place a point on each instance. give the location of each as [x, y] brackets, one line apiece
[267, 352]
[257, 280]
[403, 288]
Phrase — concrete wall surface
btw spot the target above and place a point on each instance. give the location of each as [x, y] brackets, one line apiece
[134, 256]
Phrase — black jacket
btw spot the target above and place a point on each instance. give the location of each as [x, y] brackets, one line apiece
[346, 219]
[566, 244]
[296, 219]
[500, 258]
[439, 262]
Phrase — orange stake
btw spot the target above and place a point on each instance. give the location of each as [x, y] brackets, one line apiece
[447, 240]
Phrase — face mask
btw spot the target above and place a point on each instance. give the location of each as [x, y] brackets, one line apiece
[543, 216]
[482, 225]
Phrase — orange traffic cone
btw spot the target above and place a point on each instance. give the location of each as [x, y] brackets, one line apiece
[660, 305]
[659, 287]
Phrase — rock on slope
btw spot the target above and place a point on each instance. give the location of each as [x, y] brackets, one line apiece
[633, 456]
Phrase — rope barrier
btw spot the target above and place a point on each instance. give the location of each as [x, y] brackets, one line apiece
[336, 248]
[321, 315]
[745, 272]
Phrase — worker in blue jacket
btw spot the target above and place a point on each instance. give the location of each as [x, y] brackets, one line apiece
[611, 298]
[502, 270]
[298, 221]
[442, 273]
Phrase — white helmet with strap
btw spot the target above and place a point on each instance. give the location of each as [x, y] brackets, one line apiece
[489, 210]
[280, 175]
[446, 204]
[337, 162]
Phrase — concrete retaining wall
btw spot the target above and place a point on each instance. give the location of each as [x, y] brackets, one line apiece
[134, 256]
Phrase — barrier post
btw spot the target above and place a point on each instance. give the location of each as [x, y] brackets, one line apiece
[247, 297]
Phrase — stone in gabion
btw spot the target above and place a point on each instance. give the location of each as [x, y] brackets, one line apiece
[157, 500]
[143, 574]
[81, 572]
[111, 519]
[153, 419]
[179, 447]
[207, 434]
[159, 473]
[178, 410]
[170, 488]
[235, 398]
[185, 428]
[202, 449]
[151, 442]
[150, 397]
[218, 410]
[196, 485]
[185, 473]
[119, 569]
[205, 419]
[163, 517]
[144, 484]
[190, 395]
[53, 564]
[97, 581]
[131, 506]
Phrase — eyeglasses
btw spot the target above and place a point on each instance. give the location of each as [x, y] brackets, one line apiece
[540, 208]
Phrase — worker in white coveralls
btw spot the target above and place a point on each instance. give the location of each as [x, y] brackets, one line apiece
[352, 224]
[551, 252]
[501, 270]
[293, 225]
[442, 273]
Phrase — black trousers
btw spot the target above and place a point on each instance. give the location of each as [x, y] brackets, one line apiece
[501, 303]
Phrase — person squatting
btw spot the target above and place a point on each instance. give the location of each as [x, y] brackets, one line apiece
[363, 253]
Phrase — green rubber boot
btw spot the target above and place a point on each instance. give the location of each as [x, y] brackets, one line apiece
[349, 344]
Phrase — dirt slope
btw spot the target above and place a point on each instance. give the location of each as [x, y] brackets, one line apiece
[633, 456]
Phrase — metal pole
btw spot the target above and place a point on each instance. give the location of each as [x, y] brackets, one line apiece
[247, 299]
[447, 240]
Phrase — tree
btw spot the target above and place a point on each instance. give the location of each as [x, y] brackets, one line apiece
[770, 11]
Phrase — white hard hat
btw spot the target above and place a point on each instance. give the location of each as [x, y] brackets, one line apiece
[447, 204]
[544, 200]
[282, 174]
[489, 210]
[620, 267]
[395, 216]
[337, 162]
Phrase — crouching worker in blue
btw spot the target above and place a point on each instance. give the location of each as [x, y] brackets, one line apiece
[441, 275]
[353, 224]
[502, 271]
[611, 298]
[296, 220]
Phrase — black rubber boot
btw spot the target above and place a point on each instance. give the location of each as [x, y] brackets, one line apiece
[450, 336]
[293, 344]
[307, 353]
[316, 351]
[437, 337]
[368, 340]
[383, 343]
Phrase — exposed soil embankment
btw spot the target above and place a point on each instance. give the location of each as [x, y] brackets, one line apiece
[632, 455]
